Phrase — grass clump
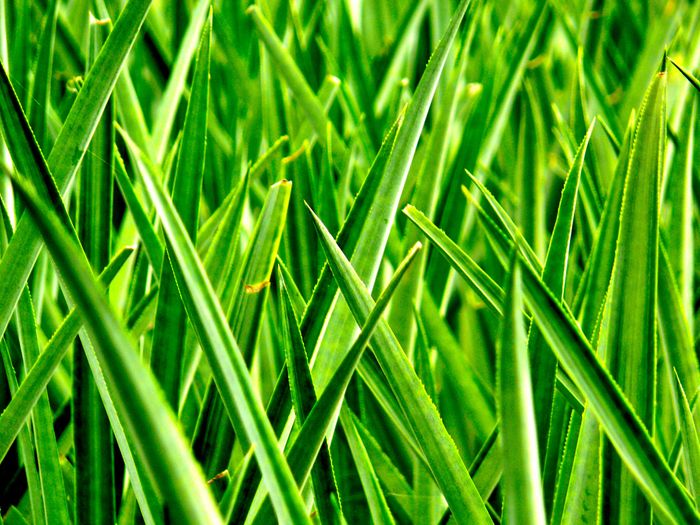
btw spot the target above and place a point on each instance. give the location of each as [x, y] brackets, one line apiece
[348, 262]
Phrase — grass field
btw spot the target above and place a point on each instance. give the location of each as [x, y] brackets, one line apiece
[345, 261]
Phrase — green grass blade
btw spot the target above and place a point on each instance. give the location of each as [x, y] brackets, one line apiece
[303, 399]
[591, 293]
[26, 447]
[302, 452]
[524, 502]
[373, 491]
[225, 358]
[445, 463]
[298, 84]
[484, 286]
[94, 470]
[135, 393]
[41, 91]
[170, 329]
[53, 489]
[688, 75]
[633, 288]
[69, 148]
[554, 273]
[376, 228]
[166, 112]
[149, 238]
[691, 442]
[679, 230]
[244, 294]
[23, 400]
[617, 418]
[583, 494]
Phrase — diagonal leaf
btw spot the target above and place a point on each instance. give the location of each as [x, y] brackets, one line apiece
[225, 358]
[443, 459]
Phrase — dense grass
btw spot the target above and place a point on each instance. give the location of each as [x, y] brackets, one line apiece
[349, 262]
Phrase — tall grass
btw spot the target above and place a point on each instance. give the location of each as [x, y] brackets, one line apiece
[349, 262]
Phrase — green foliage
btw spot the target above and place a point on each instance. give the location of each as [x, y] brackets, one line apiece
[349, 262]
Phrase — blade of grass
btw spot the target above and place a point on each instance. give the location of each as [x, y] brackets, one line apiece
[691, 442]
[170, 328]
[69, 148]
[225, 358]
[298, 84]
[166, 112]
[53, 490]
[303, 400]
[616, 416]
[374, 234]
[633, 287]
[302, 452]
[94, 465]
[445, 463]
[37, 378]
[135, 393]
[524, 502]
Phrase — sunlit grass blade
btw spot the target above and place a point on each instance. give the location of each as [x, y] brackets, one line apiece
[375, 230]
[691, 442]
[170, 328]
[631, 346]
[243, 296]
[37, 378]
[225, 357]
[302, 452]
[688, 75]
[303, 399]
[295, 78]
[53, 489]
[554, 274]
[94, 445]
[166, 113]
[574, 353]
[445, 463]
[134, 391]
[69, 148]
[521, 471]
